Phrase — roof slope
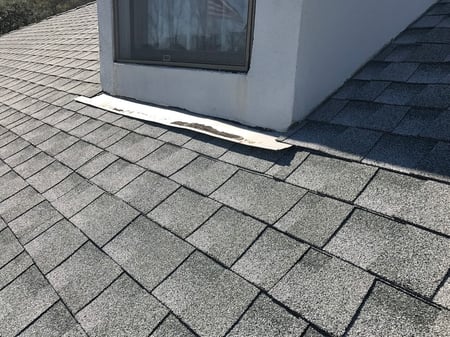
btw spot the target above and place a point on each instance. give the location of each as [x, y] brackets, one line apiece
[394, 113]
[114, 227]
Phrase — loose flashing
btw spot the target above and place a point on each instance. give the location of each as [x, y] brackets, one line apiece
[173, 118]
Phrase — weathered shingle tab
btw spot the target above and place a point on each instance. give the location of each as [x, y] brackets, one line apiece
[324, 290]
[83, 276]
[210, 299]
[390, 312]
[148, 252]
[124, 309]
[414, 258]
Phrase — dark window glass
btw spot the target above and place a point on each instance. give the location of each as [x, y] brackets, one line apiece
[192, 33]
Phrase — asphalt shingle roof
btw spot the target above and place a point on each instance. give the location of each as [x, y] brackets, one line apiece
[114, 227]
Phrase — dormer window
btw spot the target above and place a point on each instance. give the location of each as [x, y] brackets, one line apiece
[210, 34]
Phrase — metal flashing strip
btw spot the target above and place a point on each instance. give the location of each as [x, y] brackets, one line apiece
[177, 119]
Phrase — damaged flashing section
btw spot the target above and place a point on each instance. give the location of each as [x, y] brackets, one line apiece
[215, 128]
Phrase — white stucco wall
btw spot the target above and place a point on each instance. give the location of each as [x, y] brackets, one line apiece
[338, 37]
[302, 51]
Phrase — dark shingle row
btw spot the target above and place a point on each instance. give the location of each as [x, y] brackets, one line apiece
[395, 111]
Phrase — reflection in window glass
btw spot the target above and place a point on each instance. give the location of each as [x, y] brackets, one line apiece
[203, 33]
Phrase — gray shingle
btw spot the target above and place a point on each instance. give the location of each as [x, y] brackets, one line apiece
[58, 116]
[78, 154]
[134, 147]
[4, 168]
[361, 90]
[437, 163]
[104, 218]
[14, 268]
[49, 176]
[436, 35]
[287, 163]
[177, 137]
[124, 309]
[151, 130]
[88, 126]
[422, 202]
[147, 191]
[431, 73]
[411, 36]
[348, 142]
[226, 235]
[255, 159]
[433, 96]
[438, 128]
[76, 199]
[19, 121]
[108, 117]
[13, 147]
[46, 111]
[9, 246]
[83, 276]
[57, 143]
[269, 258]
[128, 123]
[412, 257]
[400, 93]
[63, 187]
[416, 121]
[148, 252]
[33, 165]
[97, 164]
[7, 138]
[72, 122]
[27, 126]
[207, 145]
[389, 312]
[327, 110]
[314, 219]
[210, 298]
[172, 327]
[311, 332]
[443, 296]
[399, 152]
[371, 115]
[204, 175]
[184, 211]
[265, 318]
[338, 178]
[168, 159]
[324, 290]
[24, 300]
[40, 134]
[19, 203]
[117, 175]
[55, 245]
[22, 156]
[386, 71]
[91, 111]
[440, 8]
[118, 134]
[56, 322]
[258, 196]
[102, 133]
[34, 222]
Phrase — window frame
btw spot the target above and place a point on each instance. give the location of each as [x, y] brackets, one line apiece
[189, 65]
